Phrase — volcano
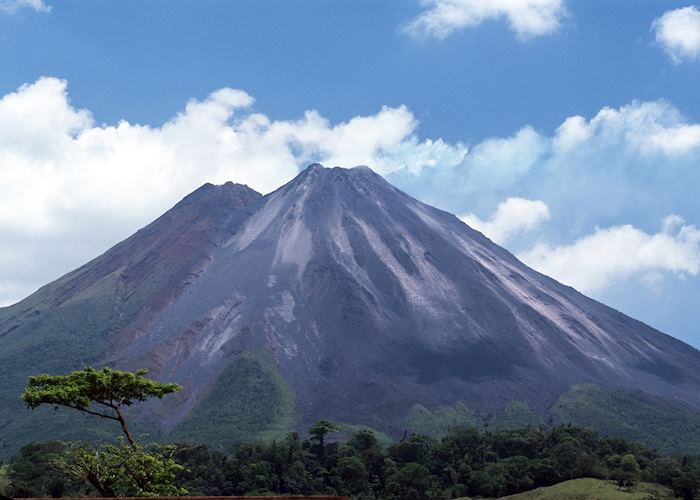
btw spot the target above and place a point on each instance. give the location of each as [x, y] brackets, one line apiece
[336, 296]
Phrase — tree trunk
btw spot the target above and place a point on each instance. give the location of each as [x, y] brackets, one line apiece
[103, 490]
[125, 429]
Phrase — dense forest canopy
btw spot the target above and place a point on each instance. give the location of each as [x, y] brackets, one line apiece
[464, 462]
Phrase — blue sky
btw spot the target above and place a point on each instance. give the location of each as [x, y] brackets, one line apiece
[474, 112]
[141, 60]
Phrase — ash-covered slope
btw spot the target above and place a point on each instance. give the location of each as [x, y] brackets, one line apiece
[338, 296]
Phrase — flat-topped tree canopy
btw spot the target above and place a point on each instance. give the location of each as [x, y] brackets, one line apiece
[102, 393]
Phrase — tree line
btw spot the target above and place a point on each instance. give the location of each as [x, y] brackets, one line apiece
[465, 462]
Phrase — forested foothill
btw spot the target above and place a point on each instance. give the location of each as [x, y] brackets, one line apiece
[465, 462]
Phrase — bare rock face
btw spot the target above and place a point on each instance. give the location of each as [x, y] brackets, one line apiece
[364, 301]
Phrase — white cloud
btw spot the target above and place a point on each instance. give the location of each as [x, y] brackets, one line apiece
[497, 161]
[616, 254]
[640, 127]
[64, 178]
[413, 155]
[678, 32]
[12, 6]
[53, 156]
[528, 18]
[588, 163]
[593, 153]
[512, 217]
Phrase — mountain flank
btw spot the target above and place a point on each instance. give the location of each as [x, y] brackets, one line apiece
[336, 296]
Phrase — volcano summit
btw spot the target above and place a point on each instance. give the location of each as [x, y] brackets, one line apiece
[337, 296]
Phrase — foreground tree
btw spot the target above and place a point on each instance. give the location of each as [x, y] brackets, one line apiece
[103, 393]
[627, 473]
[122, 470]
[30, 473]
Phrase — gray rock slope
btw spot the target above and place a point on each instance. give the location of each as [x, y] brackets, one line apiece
[370, 301]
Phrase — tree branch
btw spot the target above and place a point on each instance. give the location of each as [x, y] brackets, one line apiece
[95, 413]
[108, 405]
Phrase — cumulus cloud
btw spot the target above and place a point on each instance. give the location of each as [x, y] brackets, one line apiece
[65, 178]
[12, 6]
[616, 254]
[512, 217]
[640, 127]
[678, 33]
[647, 150]
[55, 158]
[528, 18]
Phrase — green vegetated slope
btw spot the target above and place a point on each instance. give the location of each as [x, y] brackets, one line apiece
[663, 424]
[656, 422]
[437, 423]
[516, 415]
[249, 401]
[346, 431]
[594, 489]
[57, 339]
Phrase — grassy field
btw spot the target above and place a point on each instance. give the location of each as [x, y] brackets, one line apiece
[594, 489]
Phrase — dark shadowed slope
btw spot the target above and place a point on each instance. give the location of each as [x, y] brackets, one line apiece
[364, 301]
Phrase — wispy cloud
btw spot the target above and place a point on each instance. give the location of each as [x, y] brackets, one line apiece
[678, 33]
[647, 150]
[12, 6]
[527, 18]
